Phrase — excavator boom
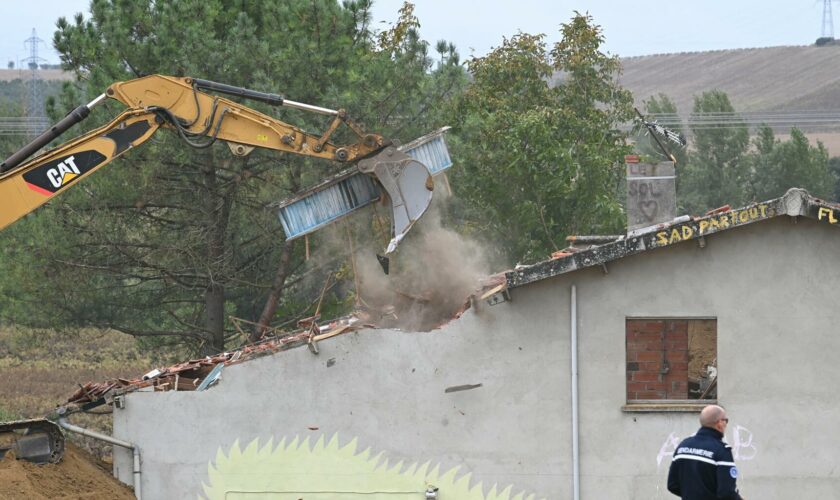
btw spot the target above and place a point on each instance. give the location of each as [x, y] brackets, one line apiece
[200, 119]
[28, 186]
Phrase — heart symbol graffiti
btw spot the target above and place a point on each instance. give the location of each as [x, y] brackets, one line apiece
[649, 208]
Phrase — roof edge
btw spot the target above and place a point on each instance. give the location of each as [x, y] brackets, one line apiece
[795, 202]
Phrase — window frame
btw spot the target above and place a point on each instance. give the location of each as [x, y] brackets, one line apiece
[664, 405]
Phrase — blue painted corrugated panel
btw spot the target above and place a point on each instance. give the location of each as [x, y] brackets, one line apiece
[327, 205]
[433, 154]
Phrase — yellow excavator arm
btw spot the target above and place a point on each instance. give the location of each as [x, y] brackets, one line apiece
[200, 118]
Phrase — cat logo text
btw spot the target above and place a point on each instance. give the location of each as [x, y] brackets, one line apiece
[63, 173]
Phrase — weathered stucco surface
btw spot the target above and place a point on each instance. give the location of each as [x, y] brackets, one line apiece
[768, 284]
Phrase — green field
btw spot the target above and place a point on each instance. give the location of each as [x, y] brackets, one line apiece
[40, 369]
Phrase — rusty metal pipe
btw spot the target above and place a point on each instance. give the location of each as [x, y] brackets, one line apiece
[586, 238]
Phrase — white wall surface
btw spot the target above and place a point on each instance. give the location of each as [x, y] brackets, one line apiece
[771, 285]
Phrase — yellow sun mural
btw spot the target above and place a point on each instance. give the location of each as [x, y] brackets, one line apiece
[328, 471]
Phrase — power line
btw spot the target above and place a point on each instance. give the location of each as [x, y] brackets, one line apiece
[806, 120]
[802, 119]
[23, 125]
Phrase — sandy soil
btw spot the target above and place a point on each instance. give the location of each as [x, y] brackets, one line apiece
[78, 476]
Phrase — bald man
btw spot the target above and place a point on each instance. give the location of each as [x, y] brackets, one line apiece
[703, 467]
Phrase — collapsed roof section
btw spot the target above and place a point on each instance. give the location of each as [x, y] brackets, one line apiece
[200, 374]
[795, 203]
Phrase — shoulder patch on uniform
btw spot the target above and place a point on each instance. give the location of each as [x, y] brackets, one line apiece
[733, 472]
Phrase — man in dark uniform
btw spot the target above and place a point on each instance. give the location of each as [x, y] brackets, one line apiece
[703, 467]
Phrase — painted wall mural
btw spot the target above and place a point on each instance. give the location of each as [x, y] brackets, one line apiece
[296, 470]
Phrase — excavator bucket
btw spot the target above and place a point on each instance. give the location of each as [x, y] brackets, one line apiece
[38, 440]
[408, 184]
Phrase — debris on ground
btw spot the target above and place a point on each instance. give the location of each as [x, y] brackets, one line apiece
[78, 476]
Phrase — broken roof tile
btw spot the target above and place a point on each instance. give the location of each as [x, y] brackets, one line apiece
[189, 375]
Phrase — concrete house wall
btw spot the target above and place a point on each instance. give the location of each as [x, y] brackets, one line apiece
[415, 396]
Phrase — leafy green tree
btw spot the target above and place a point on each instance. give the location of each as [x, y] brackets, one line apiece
[542, 161]
[778, 166]
[9, 143]
[834, 168]
[170, 241]
[717, 172]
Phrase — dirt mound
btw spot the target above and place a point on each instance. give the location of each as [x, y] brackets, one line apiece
[77, 476]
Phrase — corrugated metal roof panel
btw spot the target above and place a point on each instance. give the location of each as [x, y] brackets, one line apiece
[348, 191]
[327, 205]
[431, 151]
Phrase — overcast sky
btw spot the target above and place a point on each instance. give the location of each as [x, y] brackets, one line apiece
[634, 27]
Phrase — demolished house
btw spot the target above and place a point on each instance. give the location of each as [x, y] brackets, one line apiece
[576, 375]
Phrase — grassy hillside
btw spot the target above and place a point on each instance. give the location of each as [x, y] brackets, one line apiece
[7, 75]
[39, 370]
[775, 78]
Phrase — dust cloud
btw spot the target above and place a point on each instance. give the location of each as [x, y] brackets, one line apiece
[431, 277]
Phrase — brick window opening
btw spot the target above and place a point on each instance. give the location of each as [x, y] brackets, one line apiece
[671, 359]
